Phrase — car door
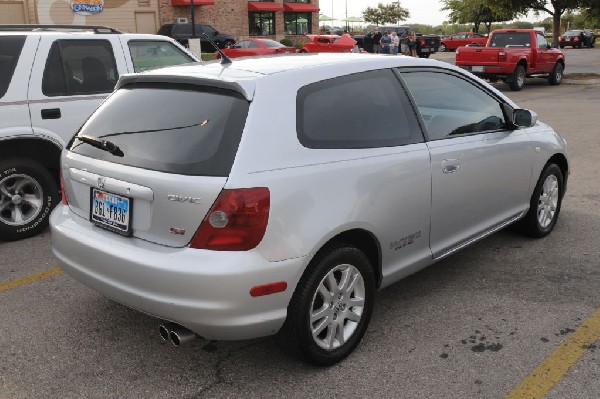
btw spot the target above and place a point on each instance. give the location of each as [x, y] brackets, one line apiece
[74, 76]
[546, 57]
[481, 168]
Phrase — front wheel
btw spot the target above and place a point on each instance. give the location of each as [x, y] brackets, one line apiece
[28, 193]
[331, 307]
[518, 78]
[557, 74]
[442, 48]
[545, 203]
[228, 43]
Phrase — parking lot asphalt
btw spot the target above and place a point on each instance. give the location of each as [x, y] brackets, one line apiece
[509, 317]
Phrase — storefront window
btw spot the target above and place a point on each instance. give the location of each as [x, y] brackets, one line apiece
[297, 23]
[296, 1]
[261, 23]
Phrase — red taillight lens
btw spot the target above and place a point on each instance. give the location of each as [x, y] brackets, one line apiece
[237, 221]
[65, 200]
[422, 42]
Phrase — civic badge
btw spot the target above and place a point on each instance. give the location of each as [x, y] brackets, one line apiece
[100, 183]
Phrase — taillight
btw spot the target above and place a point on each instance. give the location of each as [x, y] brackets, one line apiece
[576, 39]
[237, 221]
[502, 56]
[422, 42]
[65, 200]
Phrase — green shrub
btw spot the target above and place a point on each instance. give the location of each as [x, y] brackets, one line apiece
[286, 42]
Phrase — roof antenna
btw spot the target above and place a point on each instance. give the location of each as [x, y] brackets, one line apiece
[224, 59]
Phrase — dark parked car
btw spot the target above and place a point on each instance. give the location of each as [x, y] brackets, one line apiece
[577, 38]
[183, 32]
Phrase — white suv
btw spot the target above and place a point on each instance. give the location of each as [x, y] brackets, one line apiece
[51, 79]
[275, 195]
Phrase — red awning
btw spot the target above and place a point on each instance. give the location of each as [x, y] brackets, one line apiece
[196, 2]
[264, 6]
[300, 7]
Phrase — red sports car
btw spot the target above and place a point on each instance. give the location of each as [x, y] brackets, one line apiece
[250, 47]
[328, 44]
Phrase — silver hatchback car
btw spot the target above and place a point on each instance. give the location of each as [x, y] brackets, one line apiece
[276, 195]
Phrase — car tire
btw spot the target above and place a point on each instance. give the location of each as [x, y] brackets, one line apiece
[518, 78]
[545, 203]
[556, 75]
[331, 307]
[442, 48]
[562, 46]
[28, 193]
[228, 43]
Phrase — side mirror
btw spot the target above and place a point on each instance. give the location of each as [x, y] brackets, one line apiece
[524, 118]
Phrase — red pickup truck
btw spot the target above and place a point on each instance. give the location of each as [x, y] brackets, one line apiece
[511, 55]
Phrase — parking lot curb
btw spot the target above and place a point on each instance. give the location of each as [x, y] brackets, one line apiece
[586, 82]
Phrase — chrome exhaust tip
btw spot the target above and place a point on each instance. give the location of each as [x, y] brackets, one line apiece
[181, 335]
[165, 330]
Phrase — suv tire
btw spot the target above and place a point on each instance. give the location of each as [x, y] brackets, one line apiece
[28, 193]
[336, 290]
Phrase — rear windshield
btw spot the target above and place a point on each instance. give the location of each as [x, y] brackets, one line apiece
[173, 128]
[10, 49]
[503, 39]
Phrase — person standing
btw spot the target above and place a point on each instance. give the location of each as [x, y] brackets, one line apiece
[412, 44]
[404, 43]
[395, 43]
[386, 42]
[376, 41]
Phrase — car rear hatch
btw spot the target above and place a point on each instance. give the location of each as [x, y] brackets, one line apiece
[152, 160]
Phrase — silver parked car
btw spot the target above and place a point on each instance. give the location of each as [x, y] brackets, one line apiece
[275, 195]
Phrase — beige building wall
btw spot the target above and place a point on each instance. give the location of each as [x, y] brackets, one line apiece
[119, 14]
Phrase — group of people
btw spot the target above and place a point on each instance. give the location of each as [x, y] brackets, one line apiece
[391, 43]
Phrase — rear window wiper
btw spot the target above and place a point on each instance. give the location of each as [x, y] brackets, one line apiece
[104, 145]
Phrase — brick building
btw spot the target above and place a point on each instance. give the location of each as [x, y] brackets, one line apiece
[277, 19]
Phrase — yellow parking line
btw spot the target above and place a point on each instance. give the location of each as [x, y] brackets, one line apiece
[30, 279]
[555, 366]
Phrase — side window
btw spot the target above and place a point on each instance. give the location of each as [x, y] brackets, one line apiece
[242, 44]
[252, 44]
[447, 114]
[542, 42]
[364, 110]
[10, 50]
[76, 67]
[147, 54]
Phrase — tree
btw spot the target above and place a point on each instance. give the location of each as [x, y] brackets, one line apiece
[476, 12]
[385, 14]
[556, 8]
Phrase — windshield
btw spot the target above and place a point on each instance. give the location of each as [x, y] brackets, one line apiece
[173, 128]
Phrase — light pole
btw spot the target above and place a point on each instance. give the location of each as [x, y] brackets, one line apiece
[347, 27]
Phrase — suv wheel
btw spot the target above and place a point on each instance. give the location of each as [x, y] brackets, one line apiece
[228, 43]
[545, 203]
[28, 193]
[331, 307]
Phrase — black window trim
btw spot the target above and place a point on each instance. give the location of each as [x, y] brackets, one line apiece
[399, 70]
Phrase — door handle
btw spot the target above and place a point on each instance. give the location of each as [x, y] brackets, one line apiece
[450, 165]
[51, 113]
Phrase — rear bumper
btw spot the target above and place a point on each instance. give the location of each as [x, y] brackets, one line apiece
[205, 291]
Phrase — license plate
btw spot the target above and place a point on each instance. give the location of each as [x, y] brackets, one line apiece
[424, 50]
[477, 68]
[111, 211]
